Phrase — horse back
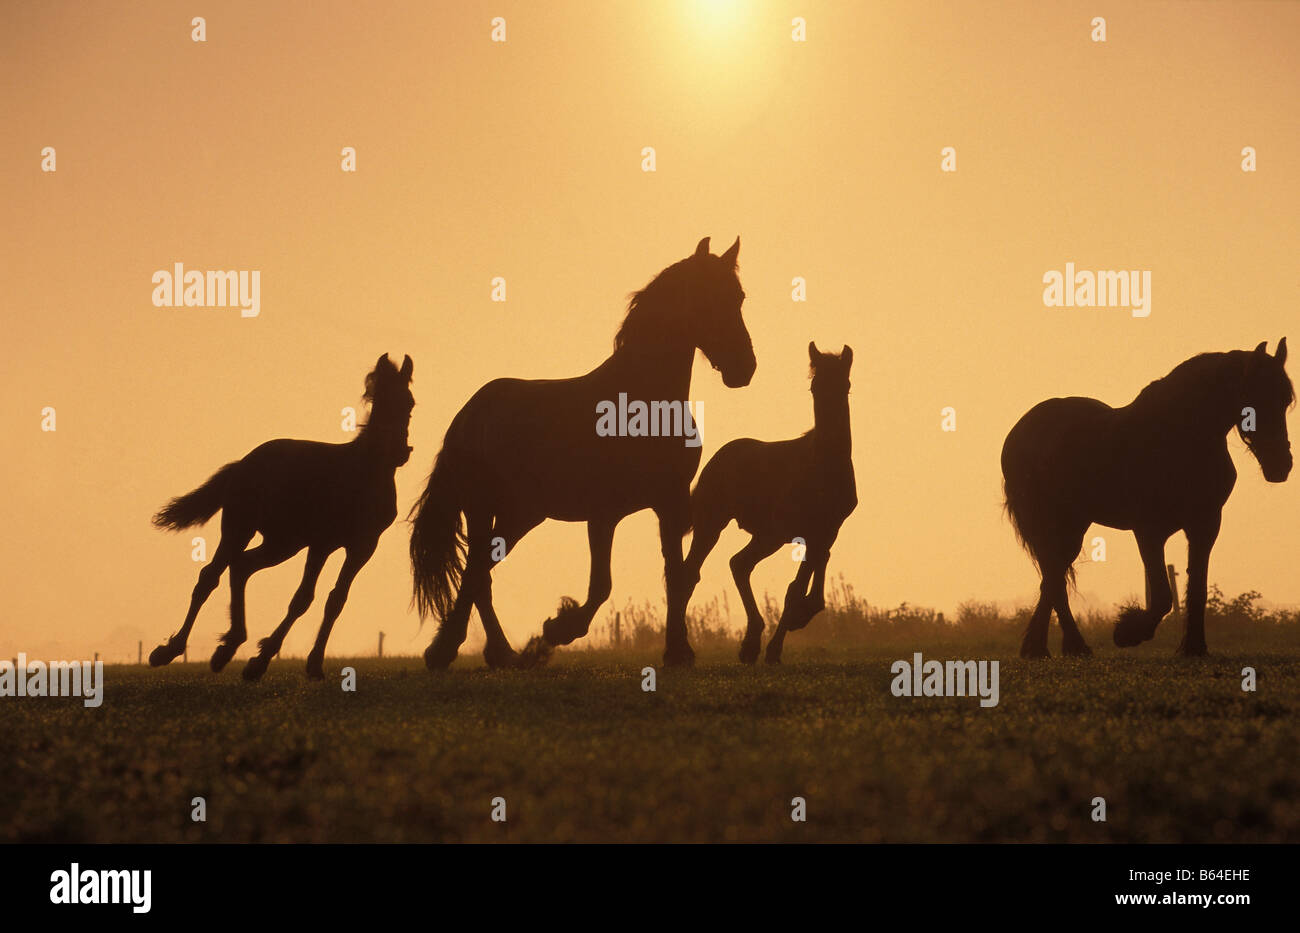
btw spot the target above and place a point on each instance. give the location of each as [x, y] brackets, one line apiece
[775, 488]
[314, 490]
[536, 441]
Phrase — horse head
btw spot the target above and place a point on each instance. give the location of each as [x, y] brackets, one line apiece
[695, 302]
[388, 391]
[714, 312]
[1266, 389]
[830, 371]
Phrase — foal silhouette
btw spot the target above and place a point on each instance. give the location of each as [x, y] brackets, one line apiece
[522, 451]
[298, 494]
[779, 491]
[1156, 466]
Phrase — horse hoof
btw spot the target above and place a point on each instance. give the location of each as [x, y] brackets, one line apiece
[221, 657]
[1076, 651]
[1192, 651]
[535, 654]
[567, 625]
[748, 652]
[255, 668]
[315, 668]
[681, 658]
[1134, 626]
[501, 659]
[437, 657]
[1034, 652]
[772, 659]
[556, 634]
[1127, 636]
[164, 654]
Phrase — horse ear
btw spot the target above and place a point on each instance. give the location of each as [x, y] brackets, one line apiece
[407, 367]
[383, 358]
[1280, 355]
[847, 355]
[732, 254]
[812, 352]
[1262, 349]
[702, 248]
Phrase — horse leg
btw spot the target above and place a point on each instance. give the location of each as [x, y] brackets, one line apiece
[572, 621]
[1072, 640]
[674, 520]
[209, 579]
[452, 629]
[1200, 540]
[243, 566]
[356, 559]
[497, 652]
[703, 539]
[270, 646]
[1073, 643]
[791, 611]
[1138, 625]
[1056, 552]
[742, 565]
[815, 601]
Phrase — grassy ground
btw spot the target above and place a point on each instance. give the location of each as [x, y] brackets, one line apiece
[581, 753]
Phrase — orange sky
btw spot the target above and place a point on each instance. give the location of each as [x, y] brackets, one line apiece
[523, 159]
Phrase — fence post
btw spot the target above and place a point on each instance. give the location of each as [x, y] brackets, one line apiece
[381, 644]
[139, 652]
[1173, 583]
[618, 631]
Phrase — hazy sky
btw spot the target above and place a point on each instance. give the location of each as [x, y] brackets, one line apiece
[523, 159]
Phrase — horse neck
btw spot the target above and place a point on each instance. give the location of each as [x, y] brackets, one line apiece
[374, 446]
[1208, 404]
[658, 369]
[834, 441]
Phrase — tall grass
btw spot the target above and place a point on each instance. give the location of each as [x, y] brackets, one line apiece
[850, 621]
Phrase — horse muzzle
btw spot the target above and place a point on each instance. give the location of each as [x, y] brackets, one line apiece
[739, 376]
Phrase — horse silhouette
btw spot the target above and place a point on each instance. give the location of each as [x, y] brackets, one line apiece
[522, 451]
[780, 492]
[298, 494]
[1156, 466]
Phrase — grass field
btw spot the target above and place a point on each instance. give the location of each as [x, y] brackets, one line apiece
[580, 753]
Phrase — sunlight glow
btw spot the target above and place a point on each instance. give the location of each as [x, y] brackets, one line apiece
[716, 18]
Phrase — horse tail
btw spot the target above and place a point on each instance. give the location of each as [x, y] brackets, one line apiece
[195, 508]
[1016, 509]
[438, 542]
[1021, 512]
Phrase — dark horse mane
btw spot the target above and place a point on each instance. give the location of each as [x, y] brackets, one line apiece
[1197, 374]
[646, 307]
[646, 304]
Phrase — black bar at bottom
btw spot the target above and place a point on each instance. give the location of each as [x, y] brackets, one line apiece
[329, 882]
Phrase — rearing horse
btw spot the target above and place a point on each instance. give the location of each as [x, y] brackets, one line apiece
[522, 451]
[1156, 466]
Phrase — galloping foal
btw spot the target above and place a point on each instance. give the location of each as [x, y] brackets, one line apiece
[298, 494]
[1158, 465]
[779, 491]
